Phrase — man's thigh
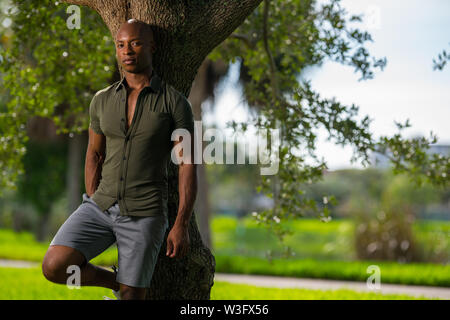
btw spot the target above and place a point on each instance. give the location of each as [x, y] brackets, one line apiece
[139, 241]
[88, 230]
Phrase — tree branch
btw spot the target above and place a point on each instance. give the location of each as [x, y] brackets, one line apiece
[273, 74]
[250, 44]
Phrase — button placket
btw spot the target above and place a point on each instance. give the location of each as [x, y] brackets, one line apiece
[123, 164]
[128, 134]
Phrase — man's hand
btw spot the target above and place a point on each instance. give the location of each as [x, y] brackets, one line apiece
[178, 242]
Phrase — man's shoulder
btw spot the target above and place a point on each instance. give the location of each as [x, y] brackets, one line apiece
[172, 92]
[177, 100]
[106, 91]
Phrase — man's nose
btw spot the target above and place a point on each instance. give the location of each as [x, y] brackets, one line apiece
[128, 49]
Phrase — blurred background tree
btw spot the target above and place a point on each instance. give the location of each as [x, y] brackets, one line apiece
[384, 228]
[43, 181]
[47, 82]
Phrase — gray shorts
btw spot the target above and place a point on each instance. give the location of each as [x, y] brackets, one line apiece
[139, 239]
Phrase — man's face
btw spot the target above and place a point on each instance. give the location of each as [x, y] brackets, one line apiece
[134, 48]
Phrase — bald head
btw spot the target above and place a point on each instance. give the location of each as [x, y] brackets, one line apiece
[142, 28]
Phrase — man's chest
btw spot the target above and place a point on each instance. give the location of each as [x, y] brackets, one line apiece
[139, 117]
[130, 107]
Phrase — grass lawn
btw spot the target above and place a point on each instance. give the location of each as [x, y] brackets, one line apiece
[326, 241]
[30, 284]
[311, 238]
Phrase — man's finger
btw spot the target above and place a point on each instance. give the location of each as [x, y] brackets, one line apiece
[175, 251]
[169, 247]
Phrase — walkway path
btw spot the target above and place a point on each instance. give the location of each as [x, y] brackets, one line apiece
[326, 284]
[305, 283]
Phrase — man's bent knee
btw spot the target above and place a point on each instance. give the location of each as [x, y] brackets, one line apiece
[57, 260]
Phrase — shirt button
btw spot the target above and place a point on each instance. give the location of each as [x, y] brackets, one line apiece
[124, 158]
[120, 198]
[121, 178]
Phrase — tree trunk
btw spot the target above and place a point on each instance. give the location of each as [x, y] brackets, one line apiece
[43, 226]
[198, 95]
[185, 33]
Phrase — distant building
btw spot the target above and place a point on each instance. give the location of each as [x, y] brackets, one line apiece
[380, 161]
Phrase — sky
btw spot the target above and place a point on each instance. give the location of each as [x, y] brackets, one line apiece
[410, 34]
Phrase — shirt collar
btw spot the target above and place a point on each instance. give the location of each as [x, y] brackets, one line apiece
[155, 82]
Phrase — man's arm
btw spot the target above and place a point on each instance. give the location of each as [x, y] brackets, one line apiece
[178, 238]
[95, 155]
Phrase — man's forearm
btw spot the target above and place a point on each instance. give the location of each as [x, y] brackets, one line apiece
[92, 172]
[187, 189]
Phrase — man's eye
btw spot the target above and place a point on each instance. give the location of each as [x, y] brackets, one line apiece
[136, 43]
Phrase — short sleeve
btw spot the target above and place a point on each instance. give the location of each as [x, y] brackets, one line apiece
[94, 123]
[182, 114]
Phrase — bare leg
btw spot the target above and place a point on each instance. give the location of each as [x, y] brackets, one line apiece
[59, 258]
[131, 293]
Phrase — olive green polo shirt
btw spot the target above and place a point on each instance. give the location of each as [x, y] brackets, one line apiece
[134, 171]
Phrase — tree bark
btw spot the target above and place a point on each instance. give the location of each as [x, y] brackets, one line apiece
[197, 96]
[185, 33]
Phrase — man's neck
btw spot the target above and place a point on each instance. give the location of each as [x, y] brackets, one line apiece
[137, 81]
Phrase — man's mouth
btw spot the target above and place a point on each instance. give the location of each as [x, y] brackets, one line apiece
[129, 61]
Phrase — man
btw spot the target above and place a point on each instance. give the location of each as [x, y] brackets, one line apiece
[130, 129]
